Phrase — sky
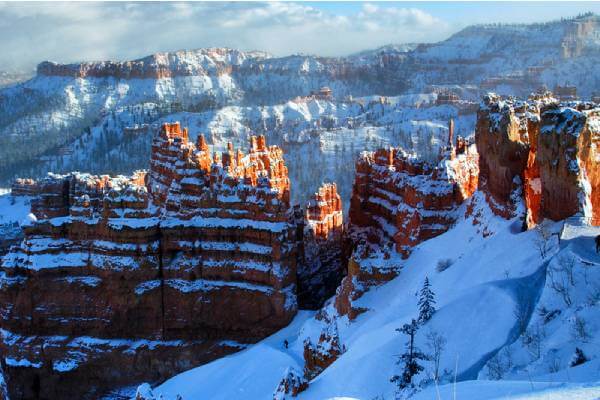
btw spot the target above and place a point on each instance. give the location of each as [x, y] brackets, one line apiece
[73, 32]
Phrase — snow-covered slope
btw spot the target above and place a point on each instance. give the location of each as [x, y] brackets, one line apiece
[321, 138]
[493, 288]
[13, 211]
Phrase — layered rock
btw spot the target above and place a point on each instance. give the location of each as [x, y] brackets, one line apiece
[320, 355]
[291, 385]
[398, 201]
[122, 280]
[323, 263]
[547, 148]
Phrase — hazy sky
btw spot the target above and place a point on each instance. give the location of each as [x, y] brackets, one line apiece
[70, 32]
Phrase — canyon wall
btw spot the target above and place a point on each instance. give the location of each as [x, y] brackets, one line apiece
[210, 61]
[542, 151]
[323, 261]
[397, 202]
[129, 279]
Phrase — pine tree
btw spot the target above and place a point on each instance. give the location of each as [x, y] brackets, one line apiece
[426, 302]
[578, 358]
[410, 359]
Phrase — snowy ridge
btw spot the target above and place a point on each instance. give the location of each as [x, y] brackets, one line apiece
[65, 109]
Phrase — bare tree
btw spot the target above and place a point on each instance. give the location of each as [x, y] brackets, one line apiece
[532, 340]
[554, 364]
[500, 364]
[560, 283]
[579, 330]
[521, 311]
[567, 266]
[436, 343]
[542, 239]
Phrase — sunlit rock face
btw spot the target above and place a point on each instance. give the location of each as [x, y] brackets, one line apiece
[543, 149]
[129, 279]
[398, 201]
[323, 261]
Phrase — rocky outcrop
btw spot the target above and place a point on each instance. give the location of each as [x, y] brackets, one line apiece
[24, 187]
[544, 147]
[319, 356]
[122, 280]
[323, 265]
[398, 201]
[211, 61]
[291, 385]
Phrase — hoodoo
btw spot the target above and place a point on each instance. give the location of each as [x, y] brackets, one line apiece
[322, 262]
[545, 149]
[397, 202]
[122, 280]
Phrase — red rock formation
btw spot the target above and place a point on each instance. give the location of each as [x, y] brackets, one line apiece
[550, 148]
[319, 356]
[291, 385]
[397, 202]
[120, 284]
[401, 201]
[322, 266]
[24, 187]
[568, 156]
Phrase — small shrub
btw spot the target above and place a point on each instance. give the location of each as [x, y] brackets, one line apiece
[578, 358]
[444, 264]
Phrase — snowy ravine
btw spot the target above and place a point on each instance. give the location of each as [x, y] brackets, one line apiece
[321, 137]
[496, 288]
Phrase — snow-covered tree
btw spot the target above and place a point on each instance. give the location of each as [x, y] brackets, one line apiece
[578, 358]
[410, 359]
[426, 302]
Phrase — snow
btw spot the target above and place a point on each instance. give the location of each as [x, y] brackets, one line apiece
[482, 278]
[215, 222]
[14, 209]
[22, 362]
[512, 390]
[239, 375]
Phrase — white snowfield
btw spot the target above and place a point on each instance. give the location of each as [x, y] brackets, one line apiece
[478, 297]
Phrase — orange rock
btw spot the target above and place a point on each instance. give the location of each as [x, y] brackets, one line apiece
[549, 148]
[199, 251]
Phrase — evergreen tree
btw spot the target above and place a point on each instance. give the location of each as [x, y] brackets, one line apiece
[426, 302]
[578, 358]
[410, 359]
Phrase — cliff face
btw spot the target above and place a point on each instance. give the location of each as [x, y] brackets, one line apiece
[397, 202]
[323, 260]
[212, 61]
[545, 150]
[121, 279]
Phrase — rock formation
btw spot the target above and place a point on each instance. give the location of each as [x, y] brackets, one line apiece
[397, 202]
[322, 266]
[122, 280]
[319, 356]
[546, 148]
[213, 61]
[291, 385]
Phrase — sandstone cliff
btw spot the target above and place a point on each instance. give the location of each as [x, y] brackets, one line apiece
[323, 261]
[542, 150]
[397, 202]
[136, 278]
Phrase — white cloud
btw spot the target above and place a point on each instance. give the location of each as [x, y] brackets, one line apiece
[69, 32]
